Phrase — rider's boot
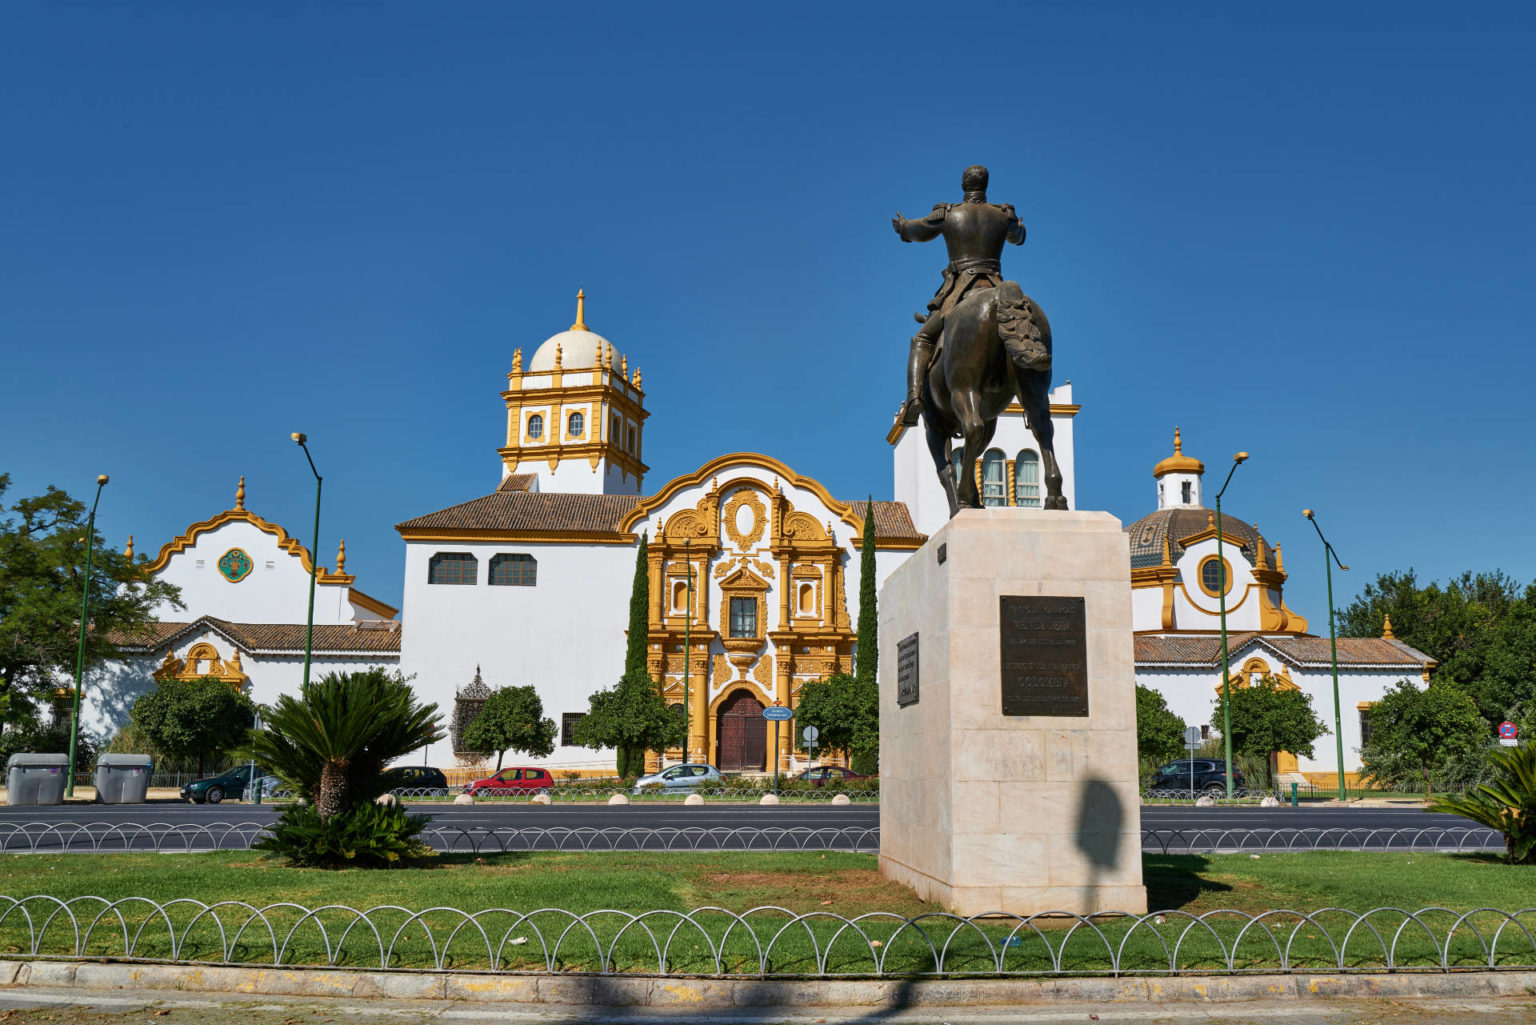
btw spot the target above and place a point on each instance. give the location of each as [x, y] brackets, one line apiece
[917, 371]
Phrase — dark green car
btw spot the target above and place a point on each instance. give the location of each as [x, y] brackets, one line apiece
[214, 789]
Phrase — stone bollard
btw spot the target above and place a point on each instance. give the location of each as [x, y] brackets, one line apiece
[694, 799]
[540, 799]
[1269, 802]
[464, 799]
[619, 799]
[841, 799]
[769, 799]
[387, 800]
[1204, 802]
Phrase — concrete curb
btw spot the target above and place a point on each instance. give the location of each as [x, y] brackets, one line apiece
[707, 994]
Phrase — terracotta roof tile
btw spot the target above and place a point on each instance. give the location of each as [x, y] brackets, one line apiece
[518, 482]
[531, 511]
[269, 638]
[1306, 650]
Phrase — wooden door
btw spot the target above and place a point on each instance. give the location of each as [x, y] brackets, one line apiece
[742, 741]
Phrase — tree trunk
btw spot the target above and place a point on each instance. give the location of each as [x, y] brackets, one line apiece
[333, 790]
[498, 760]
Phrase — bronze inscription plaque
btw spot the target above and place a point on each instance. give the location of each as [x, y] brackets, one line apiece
[1045, 655]
[906, 671]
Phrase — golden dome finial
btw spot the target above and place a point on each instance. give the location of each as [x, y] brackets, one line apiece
[581, 311]
[1178, 443]
[341, 556]
[1178, 462]
[240, 493]
[517, 361]
[129, 550]
[637, 377]
[1386, 628]
[623, 366]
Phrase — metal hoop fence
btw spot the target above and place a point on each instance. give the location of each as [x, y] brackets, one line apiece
[768, 941]
[1211, 841]
[568, 793]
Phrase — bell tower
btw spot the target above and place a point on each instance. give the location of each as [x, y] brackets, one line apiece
[575, 414]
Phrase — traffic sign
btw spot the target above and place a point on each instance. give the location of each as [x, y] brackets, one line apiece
[1192, 737]
[1508, 731]
[810, 733]
[778, 712]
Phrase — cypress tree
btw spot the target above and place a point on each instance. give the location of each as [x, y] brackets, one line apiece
[868, 660]
[639, 611]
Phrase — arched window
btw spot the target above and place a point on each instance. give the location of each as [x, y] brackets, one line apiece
[994, 478]
[452, 568]
[1026, 480]
[1187, 492]
[575, 424]
[536, 426]
[513, 570]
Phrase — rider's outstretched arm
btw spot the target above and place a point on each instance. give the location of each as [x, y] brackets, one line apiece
[1016, 229]
[924, 228]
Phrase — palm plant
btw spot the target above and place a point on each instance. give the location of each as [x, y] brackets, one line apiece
[333, 741]
[1508, 804]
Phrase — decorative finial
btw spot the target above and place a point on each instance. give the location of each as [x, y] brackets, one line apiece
[623, 366]
[341, 556]
[517, 361]
[637, 377]
[560, 353]
[1167, 552]
[240, 493]
[1178, 443]
[1386, 629]
[129, 550]
[1261, 546]
[1279, 560]
[581, 312]
[605, 357]
[775, 484]
[1210, 520]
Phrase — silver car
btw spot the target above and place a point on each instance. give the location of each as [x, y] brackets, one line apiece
[682, 777]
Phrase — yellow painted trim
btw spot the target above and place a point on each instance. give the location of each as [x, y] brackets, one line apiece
[474, 534]
[184, 541]
[712, 469]
[1216, 612]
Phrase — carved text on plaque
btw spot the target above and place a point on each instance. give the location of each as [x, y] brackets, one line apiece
[1044, 655]
[906, 671]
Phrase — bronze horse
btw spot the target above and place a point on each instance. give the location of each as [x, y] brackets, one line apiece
[975, 377]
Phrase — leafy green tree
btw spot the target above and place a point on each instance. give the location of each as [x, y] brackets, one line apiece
[845, 711]
[42, 573]
[193, 719]
[1507, 803]
[1425, 737]
[35, 737]
[1269, 717]
[1480, 628]
[512, 719]
[1159, 733]
[333, 741]
[631, 717]
[639, 611]
[867, 663]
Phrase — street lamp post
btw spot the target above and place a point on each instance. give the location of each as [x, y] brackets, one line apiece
[314, 555]
[255, 784]
[1226, 674]
[1329, 558]
[85, 608]
[687, 651]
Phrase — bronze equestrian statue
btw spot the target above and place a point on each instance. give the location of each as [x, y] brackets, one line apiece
[982, 343]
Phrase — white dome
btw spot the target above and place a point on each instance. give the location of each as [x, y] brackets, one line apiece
[578, 351]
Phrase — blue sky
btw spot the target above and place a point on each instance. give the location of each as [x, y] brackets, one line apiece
[1300, 231]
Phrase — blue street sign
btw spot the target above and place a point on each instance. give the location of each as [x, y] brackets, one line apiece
[777, 712]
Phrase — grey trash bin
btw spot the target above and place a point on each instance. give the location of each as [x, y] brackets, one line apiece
[122, 779]
[36, 779]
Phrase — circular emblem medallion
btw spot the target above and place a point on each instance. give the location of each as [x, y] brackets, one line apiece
[235, 565]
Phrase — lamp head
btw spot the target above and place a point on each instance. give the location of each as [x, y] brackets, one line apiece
[1343, 567]
[298, 437]
[1307, 513]
[1240, 457]
[101, 481]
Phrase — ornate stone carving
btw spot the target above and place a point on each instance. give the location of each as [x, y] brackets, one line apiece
[730, 515]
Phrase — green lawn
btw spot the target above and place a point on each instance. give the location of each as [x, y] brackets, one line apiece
[805, 883]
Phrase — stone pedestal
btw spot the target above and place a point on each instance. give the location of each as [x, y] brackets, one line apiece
[1024, 813]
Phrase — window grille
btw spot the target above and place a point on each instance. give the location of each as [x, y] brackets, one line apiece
[513, 570]
[452, 568]
[1026, 480]
[568, 723]
[994, 479]
[536, 426]
[743, 617]
[575, 425]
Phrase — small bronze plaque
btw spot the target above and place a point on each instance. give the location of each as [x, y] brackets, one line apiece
[906, 671]
[1045, 655]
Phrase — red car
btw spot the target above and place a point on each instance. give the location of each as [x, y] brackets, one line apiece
[511, 781]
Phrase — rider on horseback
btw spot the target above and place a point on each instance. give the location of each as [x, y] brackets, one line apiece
[974, 232]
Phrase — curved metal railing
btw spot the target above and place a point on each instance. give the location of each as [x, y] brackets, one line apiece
[567, 793]
[768, 941]
[1337, 838]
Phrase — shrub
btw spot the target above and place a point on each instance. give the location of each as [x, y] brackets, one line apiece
[1507, 804]
[361, 836]
[50, 739]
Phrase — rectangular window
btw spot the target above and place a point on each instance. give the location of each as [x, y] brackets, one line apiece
[629, 439]
[743, 617]
[452, 568]
[568, 723]
[1365, 725]
[513, 570]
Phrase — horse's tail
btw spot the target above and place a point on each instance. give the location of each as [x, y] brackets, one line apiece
[1027, 345]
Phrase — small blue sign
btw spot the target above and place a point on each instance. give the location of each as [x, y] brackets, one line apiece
[777, 712]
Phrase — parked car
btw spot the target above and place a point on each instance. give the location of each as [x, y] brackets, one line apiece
[1210, 776]
[414, 777]
[515, 780]
[820, 775]
[682, 777]
[271, 786]
[215, 788]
